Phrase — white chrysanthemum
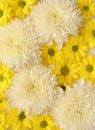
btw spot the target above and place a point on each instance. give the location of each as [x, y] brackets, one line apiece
[33, 90]
[76, 109]
[18, 47]
[56, 19]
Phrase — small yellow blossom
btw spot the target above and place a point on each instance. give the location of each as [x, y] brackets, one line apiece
[5, 77]
[44, 122]
[67, 71]
[87, 7]
[21, 8]
[75, 48]
[89, 32]
[87, 68]
[18, 121]
[51, 54]
[5, 12]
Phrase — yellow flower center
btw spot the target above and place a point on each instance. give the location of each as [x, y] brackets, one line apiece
[65, 70]
[93, 32]
[1, 13]
[75, 48]
[1, 77]
[51, 52]
[22, 4]
[43, 124]
[89, 68]
[85, 8]
[21, 116]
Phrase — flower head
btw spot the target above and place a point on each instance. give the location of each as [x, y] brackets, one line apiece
[57, 19]
[17, 120]
[51, 54]
[66, 72]
[87, 7]
[33, 90]
[18, 45]
[21, 8]
[5, 77]
[46, 122]
[89, 32]
[87, 68]
[76, 109]
[75, 48]
[5, 12]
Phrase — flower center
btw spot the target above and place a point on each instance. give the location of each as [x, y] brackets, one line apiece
[1, 13]
[51, 52]
[43, 124]
[21, 3]
[89, 68]
[86, 8]
[1, 77]
[0, 101]
[93, 32]
[21, 116]
[75, 48]
[63, 87]
[65, 70]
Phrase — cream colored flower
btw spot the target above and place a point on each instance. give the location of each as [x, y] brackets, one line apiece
[18, 45]
[76, 109]
[56, 19]
[33, 90]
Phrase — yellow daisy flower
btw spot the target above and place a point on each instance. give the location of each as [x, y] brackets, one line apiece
[44, 122]
[87, 7]
[3, 104]
[18, 121]
[51, 54]
[87, 68]
[75, 48]
[89, 32]
[2, 121]
[67, 72]
[5, 12]
[21, 8]
[5, 77]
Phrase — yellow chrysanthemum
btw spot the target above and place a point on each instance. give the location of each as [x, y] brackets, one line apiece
[76, 48]
[21, 8]
[51, 54]
[2, 121]
[67, 72]
[87, 7]
[18, 121]
[89, 32]
[5, 77]
[44, 122]
[87, 68]
[5, 12]
[3, 104]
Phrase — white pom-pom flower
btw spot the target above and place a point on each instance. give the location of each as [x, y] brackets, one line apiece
[18, 45]
[33, 90]
[55, 20]
[76, 109]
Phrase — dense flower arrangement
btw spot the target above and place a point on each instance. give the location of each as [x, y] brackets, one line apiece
[47, 64]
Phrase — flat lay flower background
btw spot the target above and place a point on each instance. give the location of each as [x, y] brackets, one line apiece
[47, 64]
